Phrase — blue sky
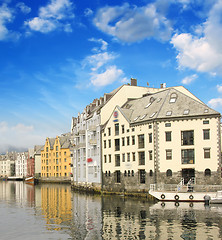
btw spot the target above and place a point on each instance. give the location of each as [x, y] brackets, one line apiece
[56, 56]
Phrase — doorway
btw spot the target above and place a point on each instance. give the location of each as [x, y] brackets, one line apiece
[187, 174]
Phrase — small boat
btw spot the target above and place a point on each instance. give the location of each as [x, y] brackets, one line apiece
[217, 199]
[30, 180]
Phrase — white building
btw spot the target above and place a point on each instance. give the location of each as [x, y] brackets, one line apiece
[21, 164]
[161, 138]
[7, 164]
[86, 132]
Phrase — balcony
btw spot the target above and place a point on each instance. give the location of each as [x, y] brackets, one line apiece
[80, 145]
[92, 141]
[82, 132]
[92, 128]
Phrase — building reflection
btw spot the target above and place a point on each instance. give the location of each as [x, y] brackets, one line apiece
[56, 205]
[18, 192]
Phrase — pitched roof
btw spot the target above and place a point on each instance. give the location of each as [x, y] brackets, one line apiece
[167, 104]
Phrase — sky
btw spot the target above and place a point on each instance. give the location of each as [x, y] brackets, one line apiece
[57, 56]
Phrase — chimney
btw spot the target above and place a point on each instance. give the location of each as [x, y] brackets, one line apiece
[133, 82]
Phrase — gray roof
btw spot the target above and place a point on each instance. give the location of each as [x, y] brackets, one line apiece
[37, 149]
[161, 105]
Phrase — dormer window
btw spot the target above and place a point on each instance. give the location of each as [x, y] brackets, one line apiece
[186, 112]
[173, 98]
[168, 113]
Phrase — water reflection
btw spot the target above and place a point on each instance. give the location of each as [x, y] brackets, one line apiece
[53, 211]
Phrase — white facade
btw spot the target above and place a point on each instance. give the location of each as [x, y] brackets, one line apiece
[161, 138]
[7, 164]
[21, 164]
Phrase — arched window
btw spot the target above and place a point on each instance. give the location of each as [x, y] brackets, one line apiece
[169, 173]
[125, 173]
[173, 98]
[106, 174]
[151, 173]
[109, 173]
[207, 172]
[132, 173]
[128, 173]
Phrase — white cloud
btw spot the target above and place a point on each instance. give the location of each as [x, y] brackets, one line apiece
[219, 88]
[215, 102]
[98, 60]
[189, 79]
[202, 53]
[21, 128]
[110, 75]
[131, 24]
[3, 126]
[6, 16]
[25, 9]
[88, 12]
[53, 16]
[103, 43]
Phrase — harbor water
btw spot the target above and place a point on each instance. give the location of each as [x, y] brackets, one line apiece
[53, 211]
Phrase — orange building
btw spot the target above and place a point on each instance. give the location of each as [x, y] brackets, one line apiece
[56, 158]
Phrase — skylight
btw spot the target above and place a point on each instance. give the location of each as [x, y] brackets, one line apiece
[159, 99]
[168, 113]
[148, 105]
[206, 110]
[143, 117]
[136, 118]
[153, 114]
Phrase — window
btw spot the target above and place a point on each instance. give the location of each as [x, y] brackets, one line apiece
[134, 156]
[109, 158]
[141, 141]
[186, 112]
[169, 173]
[168, 113]
[128, 157]
[207, 153]
[151, 155]
[187, 138]
[104, 144]
[168, 136]
[47, 149]
[117, 129]
[206, 134]
[152, 115]
[109, 143]
[133, 140]
[150, 137]
[117, 160]
[125, 173]
[148, 105]
[173, 98]
[167, 124]
[168, 154]
[151, 173]
[142, 176]
[143, 117]
[123, 157]
[141, 158]
[128, 141]
[117, 146]
[118, 175]
[132, 173]
[123, 129]
[123, 141]
[109, 131]
[104, 158]
[188, 156]
[205, 121]
[207, 172]
[56, 148]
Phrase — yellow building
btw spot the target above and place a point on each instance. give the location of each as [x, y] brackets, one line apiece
[56, 158]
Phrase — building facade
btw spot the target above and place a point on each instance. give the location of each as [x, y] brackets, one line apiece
[21, 164]
[56, 158]
[161, 138]
[37, 159]
[86, 132]
[7, 164]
